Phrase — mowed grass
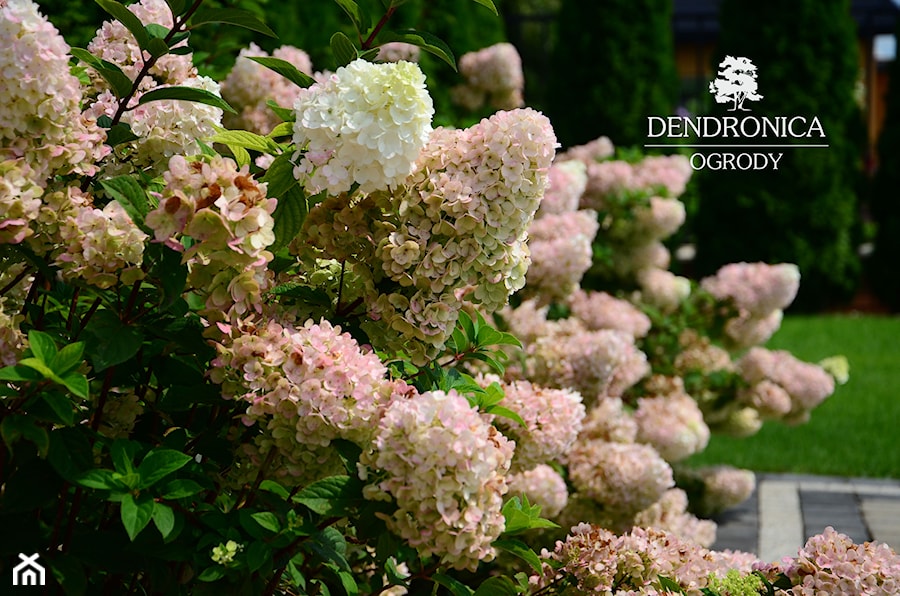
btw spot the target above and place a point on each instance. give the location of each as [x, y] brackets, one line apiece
[856, 431]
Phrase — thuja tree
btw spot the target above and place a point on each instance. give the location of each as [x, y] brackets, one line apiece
[613, 66]
[885, 203]
[805, 211]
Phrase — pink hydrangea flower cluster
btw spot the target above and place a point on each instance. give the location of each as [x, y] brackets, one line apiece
[624, 477]
[597, 150]
[306, 385]
[250, 85]
[831, 563]
[494, 76]
[102, 246]
[671, 515]
[552, 421]
[12, 340]
[566, 182]
[663, 289]
[445, 467]
[226, 212]
[600, 562]
[396, 51]
[668, 174]
[560, 246]
[20, 200]
[673, 424]
[365, 125]
[609, 421]
[541, 485]
[699, 354]
[599, 310]
[807, 384]
[724, 487]
[40, 115]
[759, 292]
[768, 398]
[660, 219]
[457, 229]
[114, 43]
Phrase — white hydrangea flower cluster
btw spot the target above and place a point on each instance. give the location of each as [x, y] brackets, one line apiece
[723, 487]
[250, 85]
[566, 182]
[552, 421]
[760, 292]
[40, 115]
[560, 246]
[102, 246]
[365, 125]
[673, 424]
[12, 340]
[114, 43]
[494, 76]
[663, 289]
[20, 201]
[445, 467]
[541, 485]
[609, 421]
[226, 212]
[624, 477]
[120, 412]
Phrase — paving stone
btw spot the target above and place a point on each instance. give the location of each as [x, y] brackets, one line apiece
[882, 516]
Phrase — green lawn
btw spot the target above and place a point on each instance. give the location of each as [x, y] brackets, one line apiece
[856, 431]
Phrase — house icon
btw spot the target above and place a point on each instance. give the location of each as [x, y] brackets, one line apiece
[29, 572]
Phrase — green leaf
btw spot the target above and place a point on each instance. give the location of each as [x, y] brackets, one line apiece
[488, 4]
[68, 359]
[42, 346]
[268, 521]
[177, 7]
[285, 114]
[120, 133]
[156, 31]
[247, 140]
[273, 487]
[110, 341]
[163, 519]
[257, 555]
[456, 587]
[136, 514]
[40, 367]
[118, 81]
[521, 550]
[352, 9]
[521, 516]
[670, 585]
[332, 496]
[330, 545]
[159, 463]
[497, 586]
[343, 49]
[100, 480]
[19, 373]
[180, 488]
[211, 574]
[186, 94]
[289, 215]
[129, 19]
[129, 193]
[241, 156]
[505, 413]
[231, 16]
[157, 48]
[122, 453]
[78, 384]
[348, 583]
[283, 129]
[61, 406]
[428, 42]
[285, 69]
[16, 426]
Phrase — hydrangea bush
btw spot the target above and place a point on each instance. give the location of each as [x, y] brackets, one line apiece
[245, 341]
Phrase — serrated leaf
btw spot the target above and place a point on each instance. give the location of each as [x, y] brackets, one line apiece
[78, 384]
[129, 193]
[330, 545]
[343, 49]
[247, 140]
[497, 586]
[136, 514]
[456, 587]
[428, 42]
[100, 480]
[283, 129]
[159, 463]
[285, 69]
[232, 16]
[42, 346]
[489, 5]
[134, 25]
[289, 215]
[241, 156]
[332, 496]
[122, 453]
[520, 516]
[186, 94]
[118, 81]
[163, 519]
[180, 488]
[521, 550]
[505, 413]
[40, 367]
[267, 520]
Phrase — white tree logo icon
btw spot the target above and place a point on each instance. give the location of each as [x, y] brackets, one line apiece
[736, 82]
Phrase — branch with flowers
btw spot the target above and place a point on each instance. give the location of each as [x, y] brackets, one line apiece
[258, 356]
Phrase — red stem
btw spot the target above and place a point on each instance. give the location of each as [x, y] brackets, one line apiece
[384, 19]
